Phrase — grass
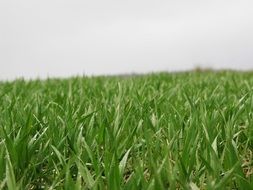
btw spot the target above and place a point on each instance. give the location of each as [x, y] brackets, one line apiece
[160, 131]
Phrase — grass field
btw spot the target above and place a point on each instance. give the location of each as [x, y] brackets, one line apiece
[160, 131]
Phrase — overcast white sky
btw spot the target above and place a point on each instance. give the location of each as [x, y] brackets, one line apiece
[70, 37]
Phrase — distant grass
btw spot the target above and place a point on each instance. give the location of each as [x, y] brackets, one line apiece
[160, 131]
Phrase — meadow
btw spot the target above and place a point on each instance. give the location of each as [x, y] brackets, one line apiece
[191, 130]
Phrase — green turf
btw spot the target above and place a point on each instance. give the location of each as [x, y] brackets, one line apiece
[159, 131]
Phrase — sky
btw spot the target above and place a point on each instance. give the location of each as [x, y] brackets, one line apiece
[62, 38]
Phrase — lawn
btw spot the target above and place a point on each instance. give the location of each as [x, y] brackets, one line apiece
[191, 130]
